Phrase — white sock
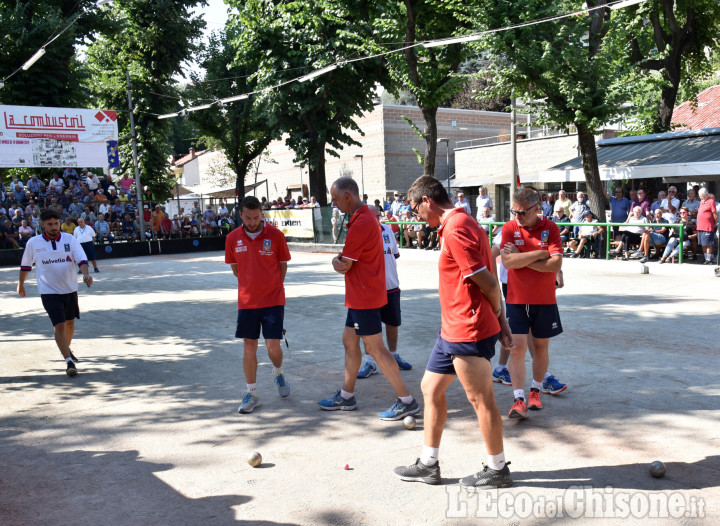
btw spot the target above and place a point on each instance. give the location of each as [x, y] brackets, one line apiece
[252, 388]
[519, 393]
[501, 367]
[536, 385]
[369, 359]
[68, 360]
[547, 375]
[346, 395]
[429, 455]
[407, 400]
[394, 353]
[277, 370]
[496, 462]
[708, 257]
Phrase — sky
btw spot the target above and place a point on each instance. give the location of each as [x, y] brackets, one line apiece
[215, 16]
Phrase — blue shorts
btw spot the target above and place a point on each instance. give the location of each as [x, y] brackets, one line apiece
[270, 319]
[657, 239]
[366, 322]
[61, 307]
[390, 313]
[89, 249]
[706, 238]
[441, 357]
[544, 320]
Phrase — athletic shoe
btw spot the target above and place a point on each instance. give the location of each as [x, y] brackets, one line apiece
[489, 478]
[97, 269]
[398, 410]
[402, 364]
[643, 259]
[534, 402]
[367, 370]
[71, 369]
[518, 409]
[636, 255]
[338, 403]
[282, 385]
[552, 386]
[501, 377]
[419, 472]
[249, 403]
[73, 358]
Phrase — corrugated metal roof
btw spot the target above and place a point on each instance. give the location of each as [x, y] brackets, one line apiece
[658, 149]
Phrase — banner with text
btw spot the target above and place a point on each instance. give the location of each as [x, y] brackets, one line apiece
[292, 223]
[38, 137]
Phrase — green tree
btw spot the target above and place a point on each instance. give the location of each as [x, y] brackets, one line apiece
[430, 74]
[241, 128]
[295, 38]
[569, 65]
[151, 39]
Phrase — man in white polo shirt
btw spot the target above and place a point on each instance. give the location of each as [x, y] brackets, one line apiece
[55, 254]
[85, 234]
[390, 313]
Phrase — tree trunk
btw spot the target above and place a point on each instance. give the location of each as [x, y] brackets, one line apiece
[588, 154]
[318, 184]
[430, 116]
[668, 96]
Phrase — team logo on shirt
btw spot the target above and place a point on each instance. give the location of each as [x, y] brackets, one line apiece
[386, 238]
[266, 244]
[544, 237]
[517, 233]
[67, 247]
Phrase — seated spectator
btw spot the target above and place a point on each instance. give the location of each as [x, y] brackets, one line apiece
[100, 197]
[166, 227]
[226, 224]
[88, 216]
[692, 203]
[654, 235]
[76, 207]
[389, 217]
[415, 231]
[70, 173]
[129, 228]
[104, 209]
[176, 227]
[658, 202]
[111, 194]
[559, 218]
[75, 190]
[17, 217]
[68, 226]
[590, 233]
[103, 230]
[672, 249]
[34, 186]
[92, 182]
[156, 222]
[670, 200]
[548, 206]
[106, 183]
[485, 217]
[187, 227]
[35, 221]
[16, 186]
[640, 200]
[25, 232]
[431, 236]
[29, 208]
[56, 185]
[8, 235]
[123, 199]
[211, 227]
[563, 201]
[632, 234]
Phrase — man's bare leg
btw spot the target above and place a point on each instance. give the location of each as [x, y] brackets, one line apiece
[353, 358]
[250, 361]
[374, 347]
[434, 387]
[391, 334]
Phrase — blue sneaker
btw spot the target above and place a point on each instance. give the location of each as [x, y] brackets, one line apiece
[402, 364]
[367, 370]
[338, 403]
[552, 386]
[249, 403]
[282, 385]
[501, 377]
[398, 410]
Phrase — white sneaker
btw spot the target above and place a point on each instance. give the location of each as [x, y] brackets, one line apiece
[249, 403]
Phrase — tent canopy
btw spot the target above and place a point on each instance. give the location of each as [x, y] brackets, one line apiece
[207, 190]
[688, 154]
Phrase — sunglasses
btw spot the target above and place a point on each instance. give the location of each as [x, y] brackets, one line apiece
[521, 213]
[415, 208]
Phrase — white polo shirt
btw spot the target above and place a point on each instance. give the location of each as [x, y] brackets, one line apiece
[84, 234]
[54, 261]
[391, 252]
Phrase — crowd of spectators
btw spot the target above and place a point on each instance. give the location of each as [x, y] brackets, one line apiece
[110, 208]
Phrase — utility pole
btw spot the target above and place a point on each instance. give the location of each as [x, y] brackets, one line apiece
[138, 185]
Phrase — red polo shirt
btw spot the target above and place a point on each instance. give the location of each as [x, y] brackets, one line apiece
[365, 282]
[525, 285]
[466, 313]
[260, 280]
[705, 217]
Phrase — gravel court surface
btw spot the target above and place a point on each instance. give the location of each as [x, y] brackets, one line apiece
[148, 431]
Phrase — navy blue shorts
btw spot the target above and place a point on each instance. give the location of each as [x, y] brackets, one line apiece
[366, 322]
[250, 321]
[61, 307]
[441, 357]
[390, 313]
[706, 238]
[89, 249]
[544, 320]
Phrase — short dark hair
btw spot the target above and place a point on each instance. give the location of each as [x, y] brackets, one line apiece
[429, 187]
[250, 202]
[527, 195]
[49, 213]
[347, 184]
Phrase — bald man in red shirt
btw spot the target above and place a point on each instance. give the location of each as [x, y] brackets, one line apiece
[362, 262]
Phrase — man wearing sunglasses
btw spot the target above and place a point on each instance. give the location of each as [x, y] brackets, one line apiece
[532, 253]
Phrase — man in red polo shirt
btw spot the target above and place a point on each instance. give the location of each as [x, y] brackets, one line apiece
[258, 254]
[472, 320]
[532, 253]
[362, 262]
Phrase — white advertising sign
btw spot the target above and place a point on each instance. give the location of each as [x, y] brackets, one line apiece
[293, 223]
[39, 137]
